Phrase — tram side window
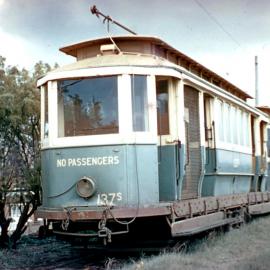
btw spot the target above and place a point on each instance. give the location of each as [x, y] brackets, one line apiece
[262, 138]
[46, 112]
[139, 103]
[245, 129]
[233, 124]
[220, 120]
[163, 107]
[240, 124]
[88, 106]
[226, 119]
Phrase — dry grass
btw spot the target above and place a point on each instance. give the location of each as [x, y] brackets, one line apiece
[247, 248]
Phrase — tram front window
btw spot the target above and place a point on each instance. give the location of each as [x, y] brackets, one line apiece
[88, 106]
[139, 103]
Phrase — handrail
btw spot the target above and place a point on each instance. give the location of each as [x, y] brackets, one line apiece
[215, 145]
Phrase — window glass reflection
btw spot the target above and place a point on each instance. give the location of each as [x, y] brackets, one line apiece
[88, 106]
[139, 103]
[162, 107]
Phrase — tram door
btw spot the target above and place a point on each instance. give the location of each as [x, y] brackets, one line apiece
[169, 147]
[193, 157]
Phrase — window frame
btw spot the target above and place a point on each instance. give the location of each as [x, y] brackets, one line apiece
[237, 115]
[126, 134]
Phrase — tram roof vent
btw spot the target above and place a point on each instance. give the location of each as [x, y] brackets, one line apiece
[108, 49]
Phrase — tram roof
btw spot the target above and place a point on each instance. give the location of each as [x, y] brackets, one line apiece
[265, 109]
[154, 46]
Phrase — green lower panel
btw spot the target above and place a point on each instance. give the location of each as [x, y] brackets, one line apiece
[171, 171]
[124, 175]
[225, 185]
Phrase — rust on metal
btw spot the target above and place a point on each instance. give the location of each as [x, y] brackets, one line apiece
[78, 234]
[259, 209]
[193, 207]
[96, 214]
[255, 202]
[201, 223]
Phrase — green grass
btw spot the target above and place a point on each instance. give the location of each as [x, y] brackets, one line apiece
[247, 248]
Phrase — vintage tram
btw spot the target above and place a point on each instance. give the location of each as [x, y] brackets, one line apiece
[138, 138]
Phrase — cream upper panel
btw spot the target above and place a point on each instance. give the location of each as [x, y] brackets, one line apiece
[99, 64]
[145, 65]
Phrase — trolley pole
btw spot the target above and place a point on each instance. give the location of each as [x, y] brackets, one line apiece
[96, 12]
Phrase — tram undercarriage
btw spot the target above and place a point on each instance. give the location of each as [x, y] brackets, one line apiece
[177, 219]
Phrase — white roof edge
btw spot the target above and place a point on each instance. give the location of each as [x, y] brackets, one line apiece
[117, 36]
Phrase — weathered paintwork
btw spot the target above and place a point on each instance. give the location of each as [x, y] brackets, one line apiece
[171, 171]
[156, 173]
[125, 169]
[216, 185]
[226, 161]
[179, 209]
[227, 172]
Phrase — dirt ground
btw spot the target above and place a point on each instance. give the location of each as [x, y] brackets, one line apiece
[49, 253]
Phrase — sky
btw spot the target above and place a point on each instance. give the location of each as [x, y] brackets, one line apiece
[223, 35]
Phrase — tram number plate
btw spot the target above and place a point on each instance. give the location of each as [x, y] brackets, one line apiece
[109, 198]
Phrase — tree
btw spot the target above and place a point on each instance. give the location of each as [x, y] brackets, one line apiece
[95, 115]
[19, 145]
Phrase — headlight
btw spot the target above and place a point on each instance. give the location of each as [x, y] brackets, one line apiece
[86, 187]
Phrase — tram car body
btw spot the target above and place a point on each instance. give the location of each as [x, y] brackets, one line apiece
[136, 131]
